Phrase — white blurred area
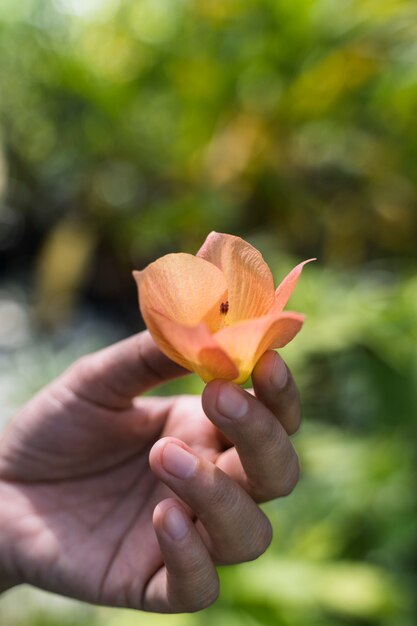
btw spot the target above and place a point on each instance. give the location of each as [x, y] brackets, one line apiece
[30, 360]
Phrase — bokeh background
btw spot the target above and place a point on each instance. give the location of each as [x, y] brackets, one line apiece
[132, 128]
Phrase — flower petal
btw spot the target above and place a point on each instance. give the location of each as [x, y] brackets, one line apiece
[287, 286]
[184, 288]
[246, 341]
[193, 347]
[249, 279]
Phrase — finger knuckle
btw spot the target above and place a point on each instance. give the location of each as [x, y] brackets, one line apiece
[83, 363]
[265, 431]
[221, 497]
[78, 366]
[82, 369]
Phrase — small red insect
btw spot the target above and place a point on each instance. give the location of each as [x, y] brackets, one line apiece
[224, 307]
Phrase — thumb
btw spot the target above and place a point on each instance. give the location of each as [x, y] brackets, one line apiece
[113, 376]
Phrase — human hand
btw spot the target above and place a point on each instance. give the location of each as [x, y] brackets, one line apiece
[132, 502]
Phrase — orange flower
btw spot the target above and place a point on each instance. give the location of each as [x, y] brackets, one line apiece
[217, 312]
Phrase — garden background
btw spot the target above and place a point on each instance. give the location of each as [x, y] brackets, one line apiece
[132, 128]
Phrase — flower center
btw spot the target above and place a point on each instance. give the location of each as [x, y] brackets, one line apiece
[224, 307]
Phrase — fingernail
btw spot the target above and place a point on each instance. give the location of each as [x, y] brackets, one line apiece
[178, 461]
[175, 523]
[231, 402]
[279, 374]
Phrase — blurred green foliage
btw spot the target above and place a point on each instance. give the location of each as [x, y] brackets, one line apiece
[154, 120]
[130, 128]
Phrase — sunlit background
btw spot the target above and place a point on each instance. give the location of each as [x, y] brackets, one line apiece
[132, 128]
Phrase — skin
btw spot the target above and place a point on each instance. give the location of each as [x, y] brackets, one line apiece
[97, 502]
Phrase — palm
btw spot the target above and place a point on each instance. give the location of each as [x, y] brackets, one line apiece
[88, 491]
